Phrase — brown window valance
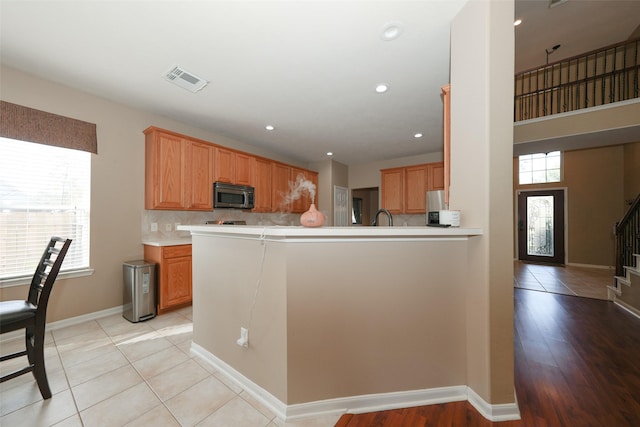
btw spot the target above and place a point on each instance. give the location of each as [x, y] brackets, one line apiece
[27, 124]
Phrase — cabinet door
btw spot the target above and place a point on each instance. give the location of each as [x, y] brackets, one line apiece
[262, 184]
[243, 174]
[175, 276]
[280, 176]
[225, 165]
[393, 189]
[415, 189]
[200, 174]
[436, 176]
[177, 281]
[165, 171]
[309, 182]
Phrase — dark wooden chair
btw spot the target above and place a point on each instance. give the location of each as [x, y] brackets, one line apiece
[31, 315]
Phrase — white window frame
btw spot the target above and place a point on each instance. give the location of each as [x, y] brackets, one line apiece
[9, 204]
[534, 164]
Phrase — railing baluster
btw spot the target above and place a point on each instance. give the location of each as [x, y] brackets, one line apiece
[604, 80]
[595, 76]
[635, 80]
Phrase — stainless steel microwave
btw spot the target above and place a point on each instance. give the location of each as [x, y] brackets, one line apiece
[232, 196]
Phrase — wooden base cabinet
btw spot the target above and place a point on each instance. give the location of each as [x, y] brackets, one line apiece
[174, 275]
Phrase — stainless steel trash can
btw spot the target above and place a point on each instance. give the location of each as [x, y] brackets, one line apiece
[139, 301]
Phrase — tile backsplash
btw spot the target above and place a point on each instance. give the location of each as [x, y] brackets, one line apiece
[167, 220]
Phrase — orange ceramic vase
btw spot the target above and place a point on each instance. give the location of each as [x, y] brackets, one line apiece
[312, 218]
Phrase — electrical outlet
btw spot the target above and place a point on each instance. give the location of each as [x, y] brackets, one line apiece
[154, 226]
[243, 341]
[167, 227]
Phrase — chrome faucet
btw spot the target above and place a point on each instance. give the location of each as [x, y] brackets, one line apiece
[375, 219]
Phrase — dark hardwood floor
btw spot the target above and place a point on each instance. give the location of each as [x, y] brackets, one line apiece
[577, 363]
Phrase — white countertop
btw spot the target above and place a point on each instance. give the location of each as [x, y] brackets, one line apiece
[323, 233]
[168, 242]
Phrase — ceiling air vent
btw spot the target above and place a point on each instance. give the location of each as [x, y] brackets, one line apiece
[185, 79]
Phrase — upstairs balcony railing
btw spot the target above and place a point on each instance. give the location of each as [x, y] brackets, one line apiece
[599, 77]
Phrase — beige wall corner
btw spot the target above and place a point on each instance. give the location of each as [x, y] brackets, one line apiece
[330, 173]
[482, 40]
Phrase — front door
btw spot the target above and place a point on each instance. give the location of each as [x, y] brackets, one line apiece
[541, 226]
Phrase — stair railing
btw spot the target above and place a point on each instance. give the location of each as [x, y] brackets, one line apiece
[603, 76]
[628, 237]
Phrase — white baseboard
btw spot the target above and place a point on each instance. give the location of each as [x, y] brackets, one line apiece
[67, 322]
[602, 267]
[502, 412]
[363, 403]
[629, 308]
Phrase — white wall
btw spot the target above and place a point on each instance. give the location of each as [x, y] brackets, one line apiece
[482, 69]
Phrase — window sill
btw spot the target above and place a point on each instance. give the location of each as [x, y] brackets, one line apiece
[25, 280]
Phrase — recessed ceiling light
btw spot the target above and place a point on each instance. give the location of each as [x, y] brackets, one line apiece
[329, 153]
[382, 88]
[417, 135]
[391, 31]
[517, 22]
[269, 127]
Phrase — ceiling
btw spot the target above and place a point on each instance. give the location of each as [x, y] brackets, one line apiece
[308, 68]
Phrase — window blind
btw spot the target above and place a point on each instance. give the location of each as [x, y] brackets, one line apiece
[44, 191]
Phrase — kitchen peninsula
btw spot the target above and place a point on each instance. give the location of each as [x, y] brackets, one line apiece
[339, 318]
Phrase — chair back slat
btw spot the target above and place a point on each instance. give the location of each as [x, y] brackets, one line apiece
[47, 271]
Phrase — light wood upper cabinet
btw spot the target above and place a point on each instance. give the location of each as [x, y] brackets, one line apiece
[180, 172]
[302, 203]
[404, 189]
[243, 168]
[393, 189]
[233, 167]
[280, 176]
[262, 184]
[415, 189]
[225, 169]
[437, 176]
[165, 180]
[200, 160]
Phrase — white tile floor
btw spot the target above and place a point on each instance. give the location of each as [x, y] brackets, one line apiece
[110, 372]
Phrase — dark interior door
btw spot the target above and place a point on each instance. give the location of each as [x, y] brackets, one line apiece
[541, 226]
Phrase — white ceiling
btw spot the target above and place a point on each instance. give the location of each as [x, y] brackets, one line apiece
[309, 68]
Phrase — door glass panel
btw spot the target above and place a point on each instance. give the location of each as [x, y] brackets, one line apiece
[540, 226]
